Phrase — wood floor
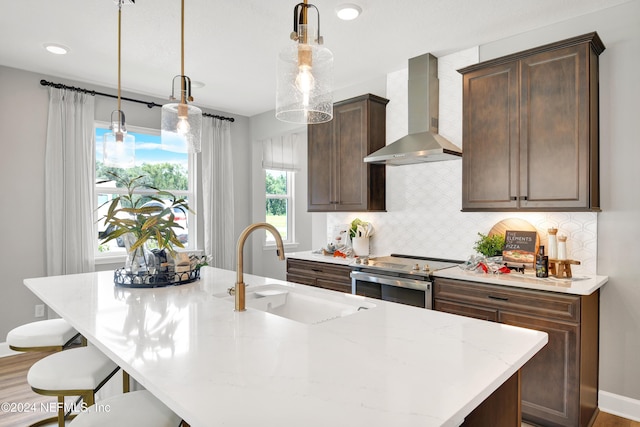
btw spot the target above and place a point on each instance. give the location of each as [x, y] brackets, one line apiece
[15, 391]
[25, 406]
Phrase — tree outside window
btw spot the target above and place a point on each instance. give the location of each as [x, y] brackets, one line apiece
[279, 203]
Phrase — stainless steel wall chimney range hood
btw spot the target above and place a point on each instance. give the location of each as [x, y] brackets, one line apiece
[423, 144]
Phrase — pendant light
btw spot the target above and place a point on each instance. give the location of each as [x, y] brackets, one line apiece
[181, 122]
[118, 147]
[305, 73]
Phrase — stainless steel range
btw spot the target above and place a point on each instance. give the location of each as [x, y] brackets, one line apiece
[404, 279]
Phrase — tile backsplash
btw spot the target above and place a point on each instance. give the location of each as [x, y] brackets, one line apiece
[423, 201]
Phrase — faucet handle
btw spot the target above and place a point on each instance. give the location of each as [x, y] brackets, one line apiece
[231, 290]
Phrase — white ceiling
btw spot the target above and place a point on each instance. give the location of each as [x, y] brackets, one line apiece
[232, 45]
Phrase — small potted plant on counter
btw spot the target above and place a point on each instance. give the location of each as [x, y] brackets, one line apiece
[144, 222]
[489, 246]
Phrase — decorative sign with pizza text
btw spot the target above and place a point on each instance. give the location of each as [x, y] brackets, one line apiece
[519, 247]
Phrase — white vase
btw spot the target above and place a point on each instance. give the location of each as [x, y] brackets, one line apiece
[361, 246]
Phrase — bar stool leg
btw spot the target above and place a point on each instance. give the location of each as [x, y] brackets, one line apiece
[126, 382]
[61, 410]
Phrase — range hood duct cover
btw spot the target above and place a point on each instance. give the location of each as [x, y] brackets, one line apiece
[423, 144]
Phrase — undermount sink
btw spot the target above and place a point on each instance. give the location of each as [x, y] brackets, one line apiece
[303, 306]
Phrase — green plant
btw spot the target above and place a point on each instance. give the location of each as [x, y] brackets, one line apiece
[354, 227]
[130, 214]
[489, 245]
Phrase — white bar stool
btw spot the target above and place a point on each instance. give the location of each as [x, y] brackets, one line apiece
[43, 335]
[134, 409]
[76, 372]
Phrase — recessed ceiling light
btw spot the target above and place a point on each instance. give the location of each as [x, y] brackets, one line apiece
[348, 11]
[56, 49]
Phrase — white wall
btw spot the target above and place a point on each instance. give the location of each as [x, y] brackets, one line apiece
[24, 123]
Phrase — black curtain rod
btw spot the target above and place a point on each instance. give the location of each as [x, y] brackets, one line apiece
[149, 104]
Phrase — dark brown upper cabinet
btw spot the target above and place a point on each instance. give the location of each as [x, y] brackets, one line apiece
[530, 129]
[339, 179]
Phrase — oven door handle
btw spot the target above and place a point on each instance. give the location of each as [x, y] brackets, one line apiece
[401, 282]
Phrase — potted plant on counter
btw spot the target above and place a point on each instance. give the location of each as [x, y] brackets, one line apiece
[141, 220]
[489, 246]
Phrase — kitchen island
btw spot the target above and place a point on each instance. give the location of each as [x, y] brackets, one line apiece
[385, 365]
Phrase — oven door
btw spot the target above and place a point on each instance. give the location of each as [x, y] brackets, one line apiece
[392, 288]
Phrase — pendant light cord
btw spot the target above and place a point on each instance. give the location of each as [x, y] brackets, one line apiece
[305, 20]
[182, 77]
[119, 43]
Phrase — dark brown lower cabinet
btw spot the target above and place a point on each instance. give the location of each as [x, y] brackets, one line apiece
[560, 383]
[320, 274]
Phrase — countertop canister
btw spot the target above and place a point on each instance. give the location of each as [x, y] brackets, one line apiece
[562, 247]
[552, 246]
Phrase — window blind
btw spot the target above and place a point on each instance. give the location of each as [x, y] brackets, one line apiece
[280, 152]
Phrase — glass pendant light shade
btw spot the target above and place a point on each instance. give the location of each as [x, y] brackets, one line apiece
[118, 146]
[305, 80]
[181, 128]
[181, 123]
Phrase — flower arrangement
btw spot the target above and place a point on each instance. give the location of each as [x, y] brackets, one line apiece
[138, 221]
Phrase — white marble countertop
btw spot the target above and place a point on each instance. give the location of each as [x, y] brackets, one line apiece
[577, 285]
[391, 365]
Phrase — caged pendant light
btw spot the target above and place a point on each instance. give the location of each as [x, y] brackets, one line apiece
[305, 73]
[118, 147]
[181, 123]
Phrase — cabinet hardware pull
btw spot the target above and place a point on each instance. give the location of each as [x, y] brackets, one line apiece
[498, 298]
[513, 198]
[524, 198]
[317, 270]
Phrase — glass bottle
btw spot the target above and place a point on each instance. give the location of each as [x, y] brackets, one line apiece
[553, 243]
[542, 263]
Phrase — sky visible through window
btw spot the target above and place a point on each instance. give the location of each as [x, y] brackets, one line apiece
[148, 150]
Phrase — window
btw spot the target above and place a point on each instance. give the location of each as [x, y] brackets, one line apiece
[279, 204]
[164, 170]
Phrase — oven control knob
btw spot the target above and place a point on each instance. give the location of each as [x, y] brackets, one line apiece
[416, 267]
[426, 267]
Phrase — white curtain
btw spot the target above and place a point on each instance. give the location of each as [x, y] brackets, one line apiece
[217, 192]
[69, 183]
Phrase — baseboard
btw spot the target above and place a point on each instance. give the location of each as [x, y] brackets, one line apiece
[619, 405]
[6, 351]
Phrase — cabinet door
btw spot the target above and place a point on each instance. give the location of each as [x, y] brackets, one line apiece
[321, 154]
[339, 180]
[350, 135]
[491, 153]
[554, 130]
[319, 274]
[550, 380]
